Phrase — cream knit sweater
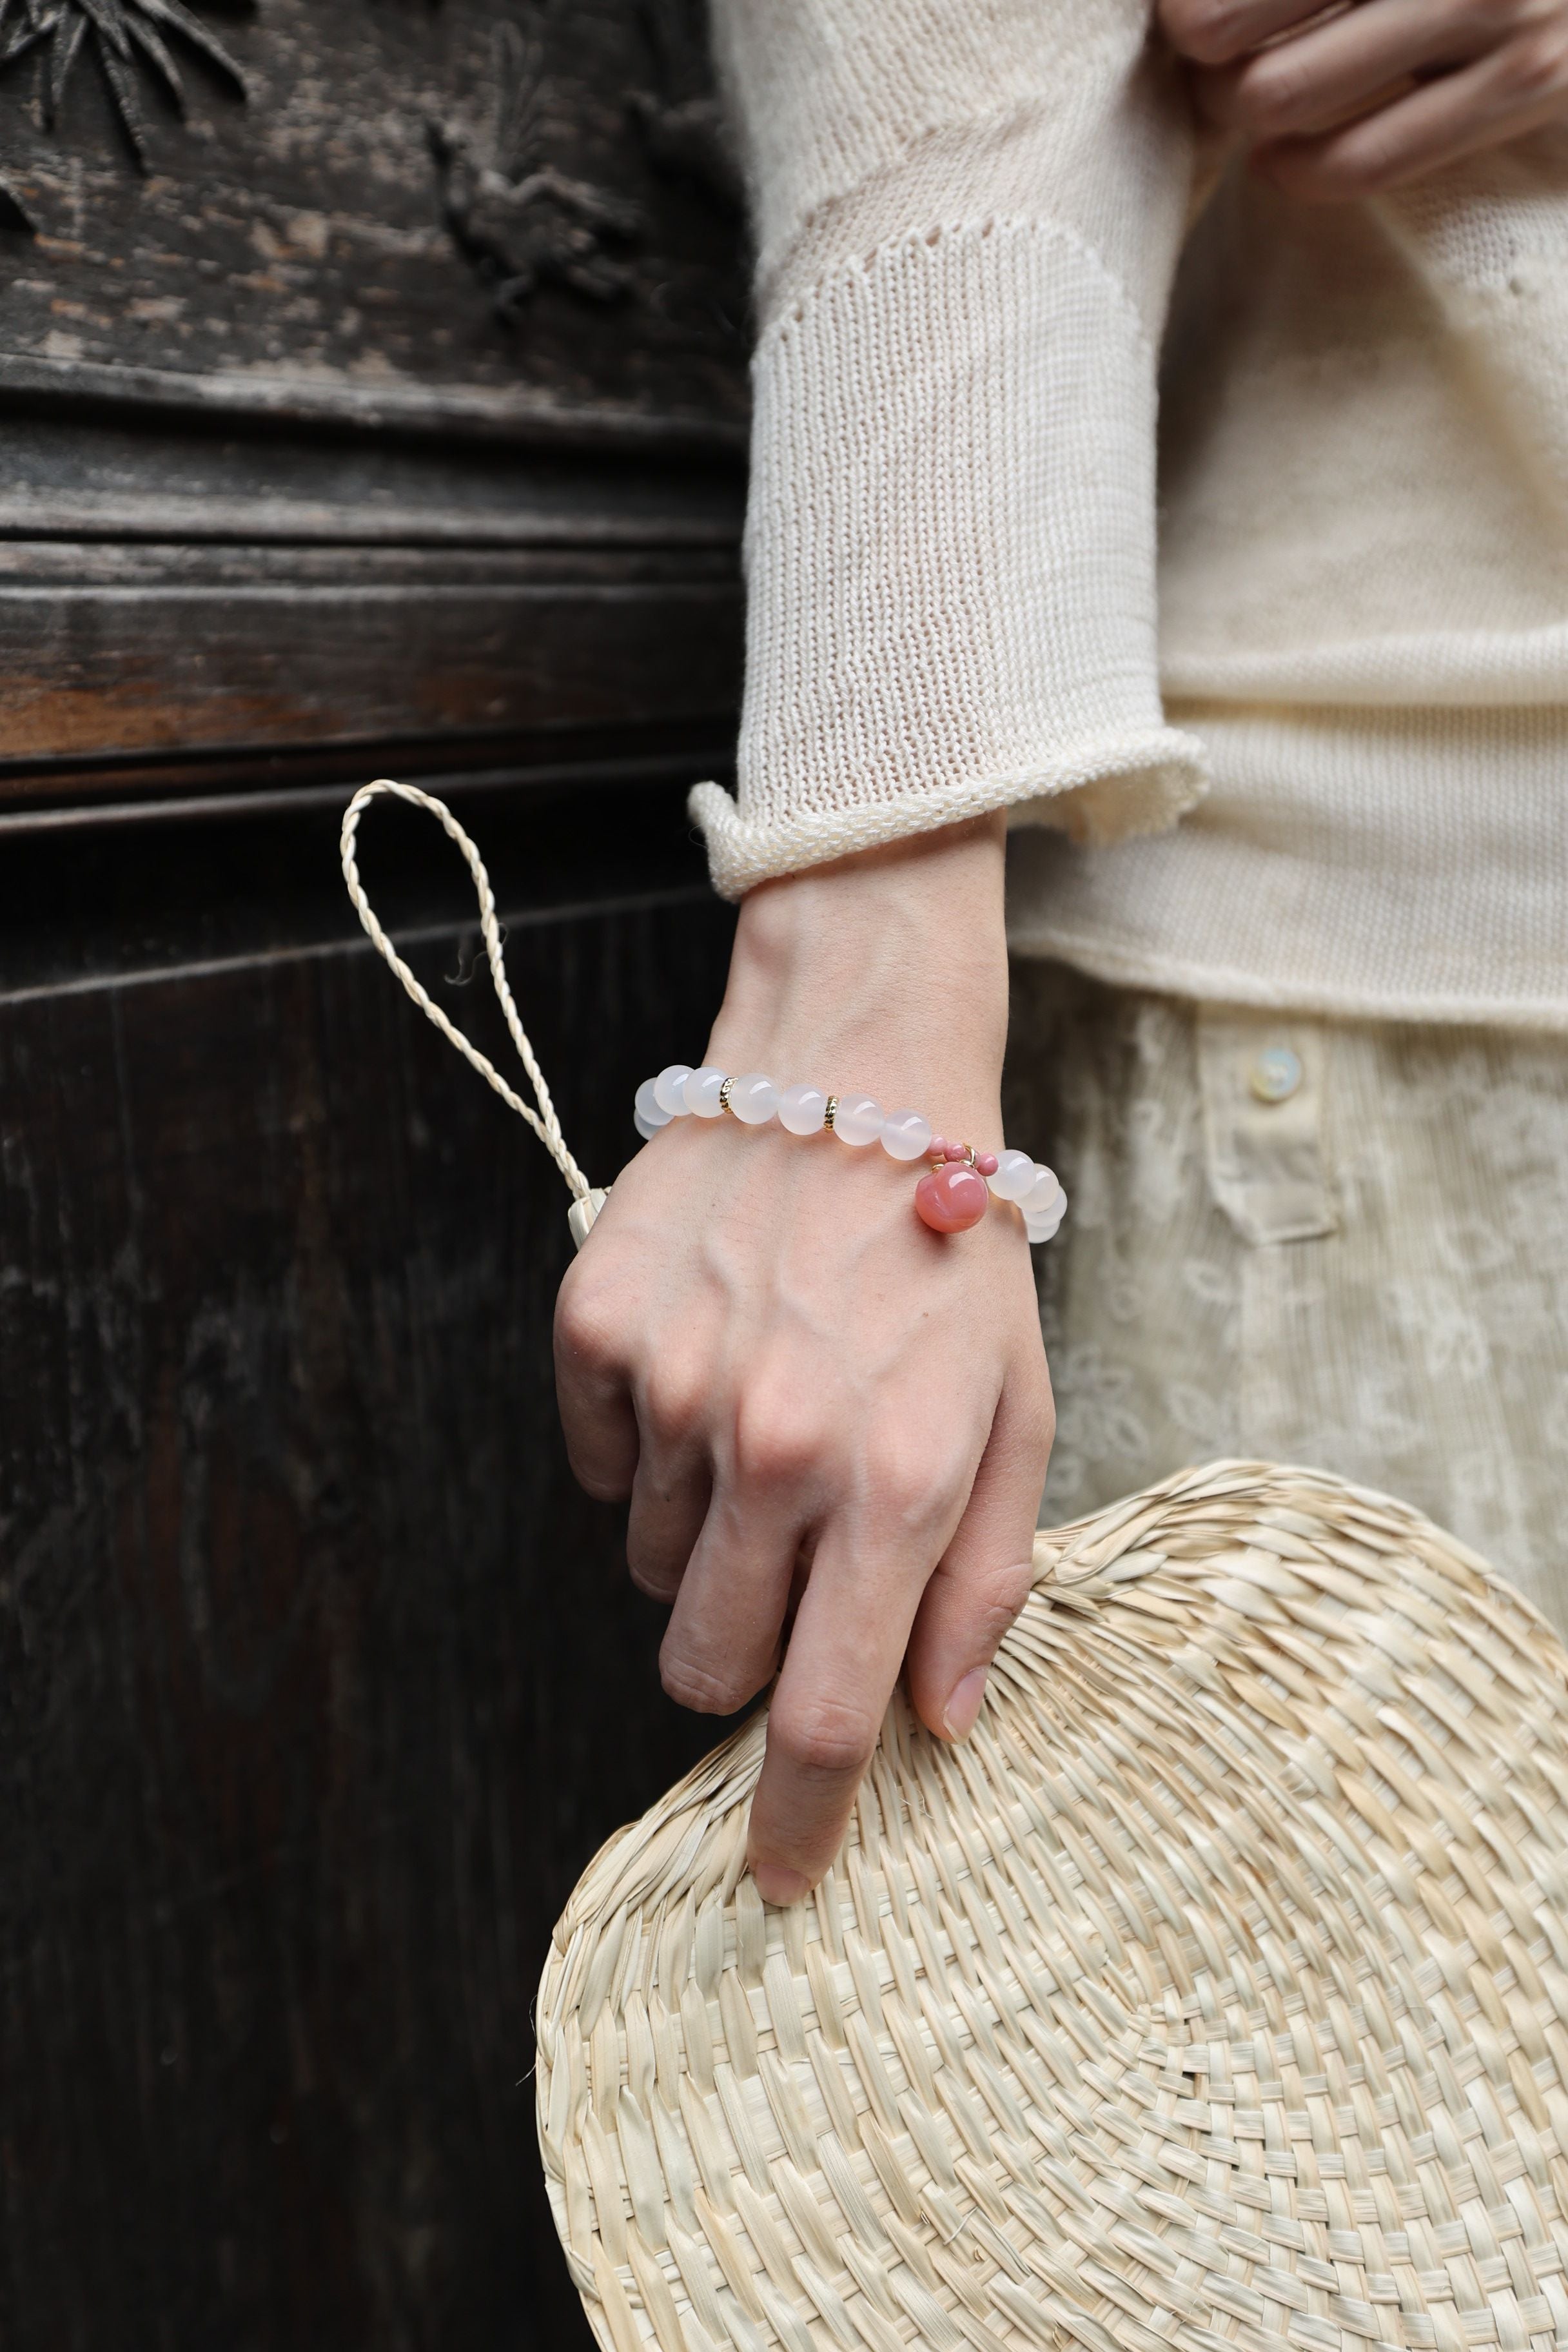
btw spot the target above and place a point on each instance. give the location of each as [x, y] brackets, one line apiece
[1342, 676]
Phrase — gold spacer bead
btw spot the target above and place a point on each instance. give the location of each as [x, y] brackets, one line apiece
[724, 1095]
[831, 1113]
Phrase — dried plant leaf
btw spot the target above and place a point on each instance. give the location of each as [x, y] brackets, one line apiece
[180, 19]
[164, 64]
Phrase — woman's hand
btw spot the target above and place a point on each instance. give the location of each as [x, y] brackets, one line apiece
[1353, 100]
[810, 1399]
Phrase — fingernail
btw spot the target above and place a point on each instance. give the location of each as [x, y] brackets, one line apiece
[963, 1704]
[777, 1884]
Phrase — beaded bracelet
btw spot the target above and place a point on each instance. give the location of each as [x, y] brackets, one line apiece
[952, 1196]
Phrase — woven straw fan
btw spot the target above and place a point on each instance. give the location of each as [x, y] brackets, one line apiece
[1214, 1992]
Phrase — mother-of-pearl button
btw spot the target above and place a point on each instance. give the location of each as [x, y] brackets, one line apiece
[1275, 1074]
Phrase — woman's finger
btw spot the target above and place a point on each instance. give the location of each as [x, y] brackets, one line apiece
[670, 1495]
[593, 1389]
[872, 1561]
[1517, 89]
[983, 1578]
[1339, 70]
[772, 1453]
[722, 1645]
[844, 1651]
[1216, 32]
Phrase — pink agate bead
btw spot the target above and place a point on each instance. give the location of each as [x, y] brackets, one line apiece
[987, 1163]
[951, 1199]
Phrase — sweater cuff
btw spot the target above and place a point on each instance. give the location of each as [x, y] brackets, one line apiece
[1103, 792]
[950, 559]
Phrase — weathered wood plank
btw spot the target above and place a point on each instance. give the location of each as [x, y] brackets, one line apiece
[327, 242]
[319, 1681]
[297, 655]
[70, 472]
[454, 416]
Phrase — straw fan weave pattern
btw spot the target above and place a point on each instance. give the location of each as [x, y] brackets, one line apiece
[1214, 1992]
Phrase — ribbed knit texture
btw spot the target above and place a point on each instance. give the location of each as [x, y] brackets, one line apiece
[951, 543]
[1404, 863]
[970, 218]
[952, 601]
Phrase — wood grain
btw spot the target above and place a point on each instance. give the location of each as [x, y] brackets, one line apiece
[319, 1680]
[133, 649]
[299, 241]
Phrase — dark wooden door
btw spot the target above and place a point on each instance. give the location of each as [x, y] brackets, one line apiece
[382, 413]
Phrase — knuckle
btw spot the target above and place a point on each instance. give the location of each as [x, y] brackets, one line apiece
[997, 1594]
[659, 1584]
[1210, 32]
[1274, 94]
[674, 1398]
[600, 1486]
[1358, 168]
[587, 1330]
[1536, 63]
[777, 1442]
[904, 1478]
[705, 1690]
[825, 1735]
[650, 1561]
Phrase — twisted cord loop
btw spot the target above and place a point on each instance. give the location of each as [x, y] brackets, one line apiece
[544, 1121]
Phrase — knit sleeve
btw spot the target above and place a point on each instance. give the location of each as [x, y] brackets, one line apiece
[967, 215]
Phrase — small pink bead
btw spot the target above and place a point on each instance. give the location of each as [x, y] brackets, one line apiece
[986, 1164]
[956, 1151]
[938, 1148]
[951, 1199]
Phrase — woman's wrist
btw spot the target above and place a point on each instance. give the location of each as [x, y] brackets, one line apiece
[888, 971]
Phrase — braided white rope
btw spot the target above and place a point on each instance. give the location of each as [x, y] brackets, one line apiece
[544, 1121]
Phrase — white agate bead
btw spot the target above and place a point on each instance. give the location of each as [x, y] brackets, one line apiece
[1015, 1176]
[802, 1109]
[701, 1092]
[858, 1120]
[1044, 1207]
[648, 1108]
[906, 1135]
[669, 1089]
[1042, 1194]
[754, 1099]
[643, 1129]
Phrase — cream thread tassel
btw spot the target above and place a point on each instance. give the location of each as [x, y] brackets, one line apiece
[587, 1200]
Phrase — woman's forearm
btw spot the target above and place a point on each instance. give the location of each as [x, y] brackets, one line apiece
[886, 972]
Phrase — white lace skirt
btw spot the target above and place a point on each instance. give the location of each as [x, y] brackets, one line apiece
[1343, 1245]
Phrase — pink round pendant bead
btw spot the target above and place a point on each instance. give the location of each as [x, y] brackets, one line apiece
[952, 1198]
